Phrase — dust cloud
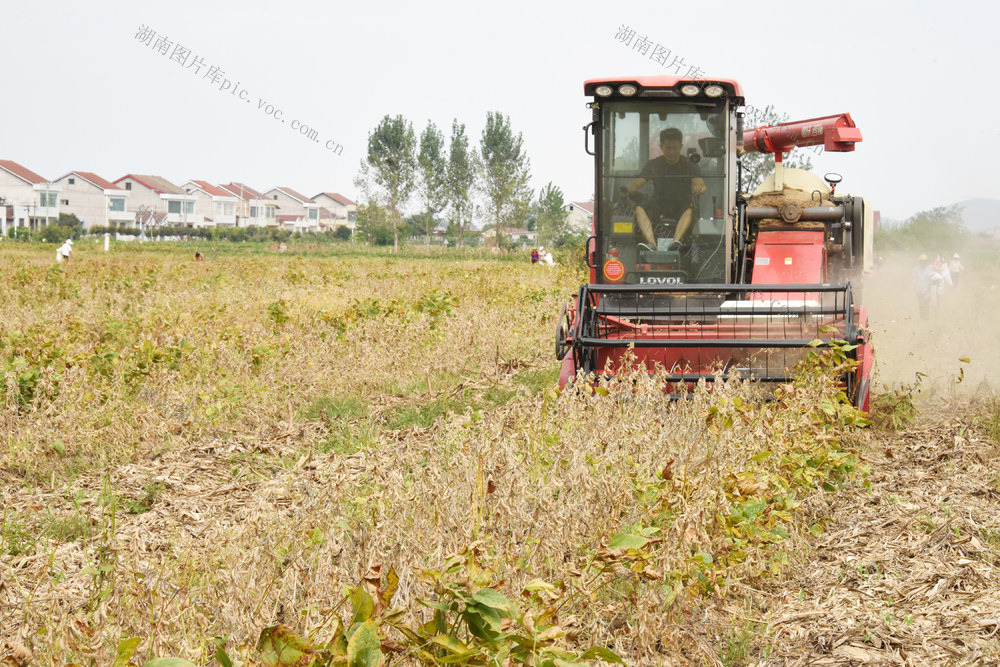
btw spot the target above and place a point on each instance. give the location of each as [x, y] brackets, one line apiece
[963, 322]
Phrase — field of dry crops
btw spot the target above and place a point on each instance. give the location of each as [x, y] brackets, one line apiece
[355, 458]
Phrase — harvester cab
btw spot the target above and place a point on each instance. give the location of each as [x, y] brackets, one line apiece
[694, 278]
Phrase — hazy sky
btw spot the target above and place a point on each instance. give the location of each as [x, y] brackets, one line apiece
[81, 92]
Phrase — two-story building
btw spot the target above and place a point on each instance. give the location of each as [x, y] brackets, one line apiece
[580, 216]
[93, 200]
[157, 194]
[214, 204]
[292, 203]
[343, 209]
[253, 209]
[34, 199]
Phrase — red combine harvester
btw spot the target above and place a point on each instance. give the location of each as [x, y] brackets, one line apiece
[689, 275]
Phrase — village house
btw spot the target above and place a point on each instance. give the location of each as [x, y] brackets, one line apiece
[33, 199]
[515, 235]
[253, 209]
[294, 203]
[93, 200]
[343, 210]
[580, 216]
[214, 204]
[157, 194]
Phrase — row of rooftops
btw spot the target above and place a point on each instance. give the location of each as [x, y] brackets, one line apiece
[161, 185]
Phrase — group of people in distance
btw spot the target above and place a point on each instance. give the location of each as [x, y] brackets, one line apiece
[931, 278]
[542, 256]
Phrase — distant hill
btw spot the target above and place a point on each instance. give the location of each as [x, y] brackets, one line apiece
[981, 215]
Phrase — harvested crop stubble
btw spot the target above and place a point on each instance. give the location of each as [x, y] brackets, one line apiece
[907, 573]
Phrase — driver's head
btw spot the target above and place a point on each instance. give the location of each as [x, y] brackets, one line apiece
[671, 140]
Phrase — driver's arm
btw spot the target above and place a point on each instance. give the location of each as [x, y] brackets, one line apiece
[698, 186]
[629, 189]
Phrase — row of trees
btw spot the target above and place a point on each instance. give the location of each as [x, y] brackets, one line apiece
[454, 180]
[458, 182]
[940, 229]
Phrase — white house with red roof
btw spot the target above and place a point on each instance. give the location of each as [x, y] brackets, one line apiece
[157, 194]
[33, 198]
[213, 203]
[295, 203]
[93, 200]
[253, 209]
[342, 208]
[580, 216]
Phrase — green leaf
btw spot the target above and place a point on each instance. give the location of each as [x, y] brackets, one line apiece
[492, 598]
[449, 643]
[125, 650]
[365, 648]
[339, 644]
[363, 605]
[281, 647]
[626, 541]
[482, 618]
[605, 654]
[442, 606]
[760, 456]
[169, 662]
[539, 585]
[222, 657]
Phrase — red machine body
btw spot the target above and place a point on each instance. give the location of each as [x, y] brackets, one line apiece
[837, 133]
[757, 283]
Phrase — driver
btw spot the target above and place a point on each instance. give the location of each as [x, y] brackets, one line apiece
[674, 182]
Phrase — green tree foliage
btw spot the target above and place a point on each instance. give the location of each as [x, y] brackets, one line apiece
[551, 220]
[388, 174]
[757, 166]
[375, 225]
[433, 176]
[70, 220]
[504, 168]
[460, 181]
[68, 226]
[940, 229]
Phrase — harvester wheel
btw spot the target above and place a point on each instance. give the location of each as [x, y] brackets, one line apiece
[562, 334]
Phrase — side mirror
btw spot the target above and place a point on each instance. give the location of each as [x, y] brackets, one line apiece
[832, 178]
[712, 147]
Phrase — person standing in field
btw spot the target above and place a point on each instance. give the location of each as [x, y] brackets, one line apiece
[956, 268]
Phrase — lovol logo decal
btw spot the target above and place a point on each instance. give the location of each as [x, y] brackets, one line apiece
[661, 280]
